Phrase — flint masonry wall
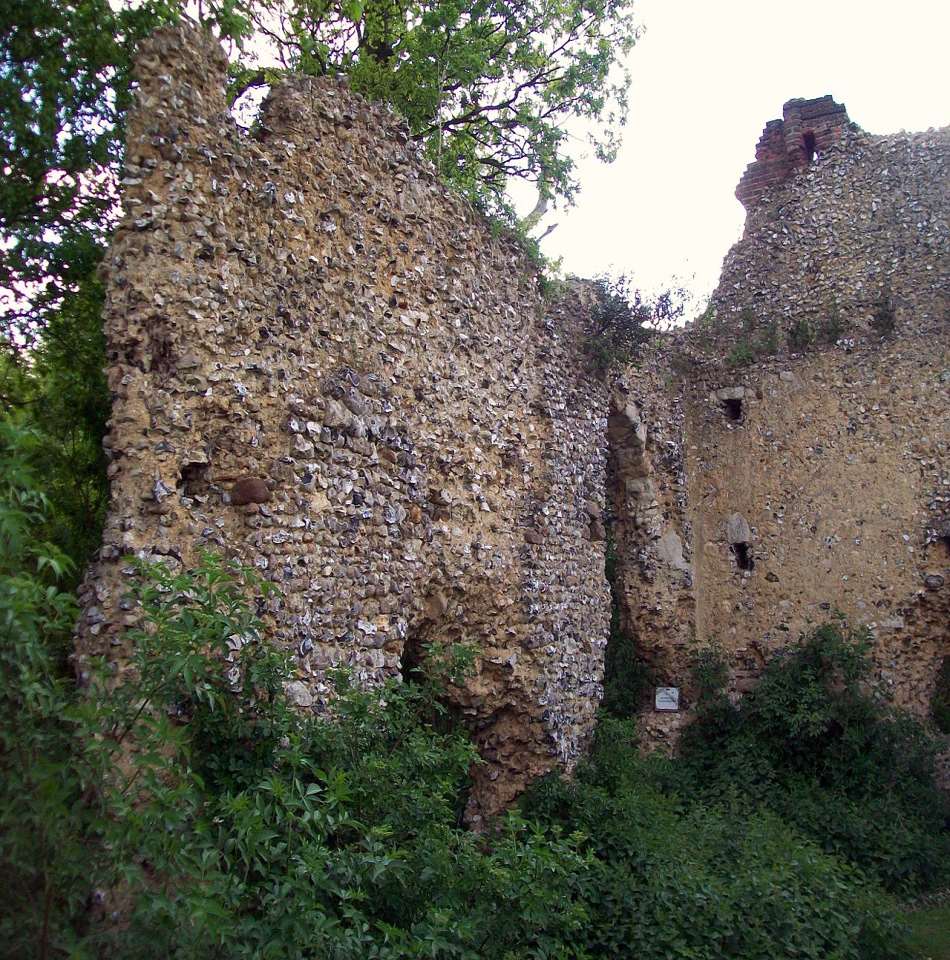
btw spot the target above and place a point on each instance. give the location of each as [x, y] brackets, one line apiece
[805, 477]
[325, 365]
[867, 219]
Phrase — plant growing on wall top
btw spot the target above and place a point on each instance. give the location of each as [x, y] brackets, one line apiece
[623, 318]
[489, 88]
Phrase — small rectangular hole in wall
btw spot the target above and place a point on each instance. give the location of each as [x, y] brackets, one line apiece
[194, 479]
[733, 409]
[743, 554]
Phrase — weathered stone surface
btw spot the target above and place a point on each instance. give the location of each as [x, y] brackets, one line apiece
[737, 529]
[306, 325]
[837, 472]
[325, 365]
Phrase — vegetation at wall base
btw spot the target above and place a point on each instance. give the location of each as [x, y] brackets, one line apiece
[930, 931]
[817, 743]
[940, 704]
[185, 809]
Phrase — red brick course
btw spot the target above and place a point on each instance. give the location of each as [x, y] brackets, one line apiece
[807, 129]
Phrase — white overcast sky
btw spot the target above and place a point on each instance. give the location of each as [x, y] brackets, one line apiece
[707, 75]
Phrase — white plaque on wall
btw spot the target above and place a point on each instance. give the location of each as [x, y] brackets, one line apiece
[667, 698]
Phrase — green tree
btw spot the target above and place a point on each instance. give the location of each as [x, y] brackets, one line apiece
[64, 89]
[489, 88]
[492, 88]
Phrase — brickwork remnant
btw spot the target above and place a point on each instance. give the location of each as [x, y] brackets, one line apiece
[807, 129]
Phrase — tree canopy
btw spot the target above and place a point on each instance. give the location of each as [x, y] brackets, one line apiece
[494, 89]
[491, 87]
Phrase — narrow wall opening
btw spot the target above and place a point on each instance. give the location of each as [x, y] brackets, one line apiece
[410, 660]
[809, 147]
[194, 479]
[743, 554]
[732, 408]
[628, 678]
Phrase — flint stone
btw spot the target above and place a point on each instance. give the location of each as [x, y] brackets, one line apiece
[737, 529]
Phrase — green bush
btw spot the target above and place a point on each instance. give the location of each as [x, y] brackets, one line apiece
[623, 318]
[801, 335]
[183, 809]
[669, 879]
[832, 325]
[42, 845]
[816, 744]
[940, 704]
[741, 355]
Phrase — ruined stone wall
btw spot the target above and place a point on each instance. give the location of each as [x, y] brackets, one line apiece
[826, 496]
[866, 221]
[808, 129]
[325, 365]
[801, 453]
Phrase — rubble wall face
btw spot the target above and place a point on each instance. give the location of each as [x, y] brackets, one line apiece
[325, 365]
[812, 478]
[837, 480]
[868, 218]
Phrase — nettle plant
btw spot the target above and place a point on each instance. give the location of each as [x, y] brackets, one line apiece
[183, 808]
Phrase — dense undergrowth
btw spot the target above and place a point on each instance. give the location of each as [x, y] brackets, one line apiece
[185, 810]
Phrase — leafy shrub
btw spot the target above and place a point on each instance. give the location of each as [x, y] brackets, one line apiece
[756, 339]
[623, 319]
[710, 672]
[672, 880]
[832, 326]
[816, 744]
[767, 344]
[183, 809]
[741, 355]
[800, 335]
[42, 855]
[884, 318]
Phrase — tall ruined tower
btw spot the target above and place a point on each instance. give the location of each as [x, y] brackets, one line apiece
[799, 465]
